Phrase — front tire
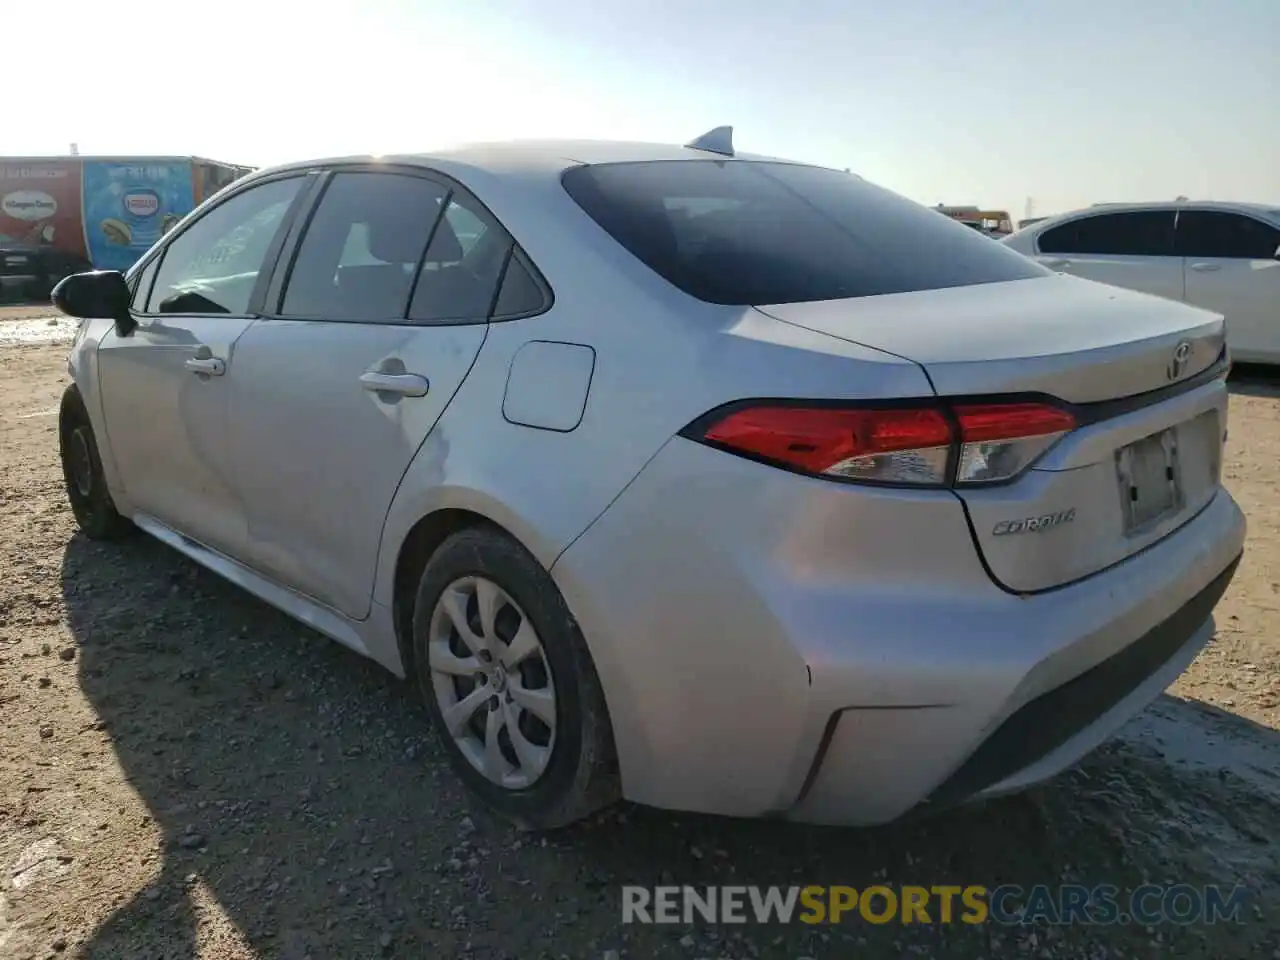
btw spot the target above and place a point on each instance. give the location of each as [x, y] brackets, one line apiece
[510, 685]
[91, 502]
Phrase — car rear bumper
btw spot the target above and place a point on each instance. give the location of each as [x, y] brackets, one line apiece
[772, 645]
[1036, 741]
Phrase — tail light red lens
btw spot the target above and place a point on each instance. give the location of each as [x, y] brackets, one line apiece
[926, 445]
[887, 446]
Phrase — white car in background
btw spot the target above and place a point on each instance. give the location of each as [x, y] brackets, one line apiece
[1221, 256]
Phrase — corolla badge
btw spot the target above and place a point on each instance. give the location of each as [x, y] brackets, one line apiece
[1181, 357]
[1048, 521]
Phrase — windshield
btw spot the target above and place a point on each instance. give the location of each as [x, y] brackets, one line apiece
[755, 233]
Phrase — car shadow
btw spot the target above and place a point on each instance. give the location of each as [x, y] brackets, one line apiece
[1254, 380]
[297, 786]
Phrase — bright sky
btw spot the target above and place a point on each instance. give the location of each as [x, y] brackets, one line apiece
[984, 101]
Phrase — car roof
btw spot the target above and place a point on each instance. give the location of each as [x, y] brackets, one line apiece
[528, 156]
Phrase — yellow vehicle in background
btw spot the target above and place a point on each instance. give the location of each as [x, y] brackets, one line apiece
[991, 221]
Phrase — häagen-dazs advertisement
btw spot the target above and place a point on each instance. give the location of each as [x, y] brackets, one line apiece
[40, 205]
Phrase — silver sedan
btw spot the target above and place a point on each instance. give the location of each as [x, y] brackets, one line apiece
[718, 482]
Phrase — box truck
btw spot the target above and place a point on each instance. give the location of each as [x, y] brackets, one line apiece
[60, 215]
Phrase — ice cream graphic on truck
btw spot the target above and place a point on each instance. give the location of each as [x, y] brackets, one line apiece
[105, 211]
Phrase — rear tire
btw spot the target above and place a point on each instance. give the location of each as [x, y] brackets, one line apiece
[86, 484]
[539, 776]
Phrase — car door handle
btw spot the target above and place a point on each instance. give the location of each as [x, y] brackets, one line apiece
[404, 384]
[1055, 263]
[208, 366]
[1206, 267]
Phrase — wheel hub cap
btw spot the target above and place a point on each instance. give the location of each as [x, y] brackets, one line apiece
[498, 677]
[492, 682]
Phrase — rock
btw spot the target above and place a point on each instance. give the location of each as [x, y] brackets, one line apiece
[385, 941]
[467, 826]
[45, 649]
[46, 731]
[67, 653]
[42, 860]
[43, 682]
[191, 841]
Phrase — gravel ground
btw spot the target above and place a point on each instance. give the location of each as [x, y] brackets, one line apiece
[186, 773]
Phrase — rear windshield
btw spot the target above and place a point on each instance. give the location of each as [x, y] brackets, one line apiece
[753, 233]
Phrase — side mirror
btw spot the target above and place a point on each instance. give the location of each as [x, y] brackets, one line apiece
[98, 293]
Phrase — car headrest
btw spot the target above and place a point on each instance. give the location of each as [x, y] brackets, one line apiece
[445, 246]
[392, 239]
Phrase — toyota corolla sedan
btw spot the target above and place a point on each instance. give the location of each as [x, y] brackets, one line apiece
[717, 482]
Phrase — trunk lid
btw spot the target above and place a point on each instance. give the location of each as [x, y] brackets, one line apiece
[1129, 475]
[1070, 338]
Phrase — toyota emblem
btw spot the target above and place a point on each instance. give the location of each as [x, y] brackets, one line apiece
[1181, 357]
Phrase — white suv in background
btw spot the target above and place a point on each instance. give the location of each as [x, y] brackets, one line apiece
[1221, 256]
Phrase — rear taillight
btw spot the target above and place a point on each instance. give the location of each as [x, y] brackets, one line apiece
[925, 445]
[1000, 440]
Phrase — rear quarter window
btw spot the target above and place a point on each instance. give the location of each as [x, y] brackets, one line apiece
[754, 233]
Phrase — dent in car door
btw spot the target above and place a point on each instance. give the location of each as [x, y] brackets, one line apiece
[165, 386]
[1131, 249]
[381, 319]
[1232, 269]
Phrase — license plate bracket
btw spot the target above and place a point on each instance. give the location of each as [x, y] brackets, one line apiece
[1149, 476]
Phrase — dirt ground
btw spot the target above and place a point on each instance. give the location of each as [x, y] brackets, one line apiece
[186, 773]
[24, 311]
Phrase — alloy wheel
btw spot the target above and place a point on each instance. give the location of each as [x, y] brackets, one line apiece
[492, 682]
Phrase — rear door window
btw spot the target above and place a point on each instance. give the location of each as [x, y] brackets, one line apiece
[1209, 234]
[463, 266]
[748, 232]
[361, 250]
[1146, 233]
